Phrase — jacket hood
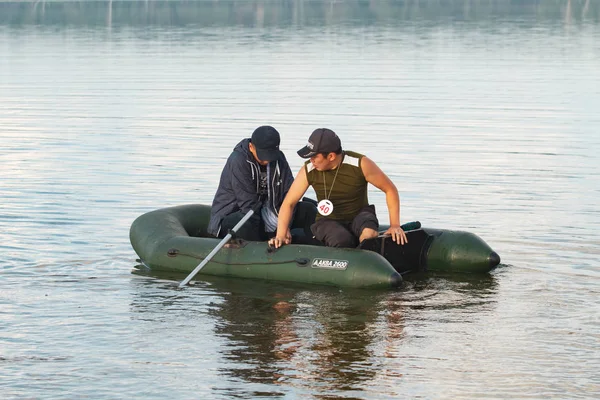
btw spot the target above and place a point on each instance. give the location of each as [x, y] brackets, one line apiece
[242, 147]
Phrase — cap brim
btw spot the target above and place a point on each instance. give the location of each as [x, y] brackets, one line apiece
[267, 155]
[306, 152]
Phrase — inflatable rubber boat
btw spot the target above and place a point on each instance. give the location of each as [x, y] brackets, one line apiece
[175, 239]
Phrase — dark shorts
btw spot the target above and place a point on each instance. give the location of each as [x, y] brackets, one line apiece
[345, 233]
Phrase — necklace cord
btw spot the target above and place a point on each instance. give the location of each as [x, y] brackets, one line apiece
[332, 183]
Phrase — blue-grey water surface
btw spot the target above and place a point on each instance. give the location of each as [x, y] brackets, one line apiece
[484, 113]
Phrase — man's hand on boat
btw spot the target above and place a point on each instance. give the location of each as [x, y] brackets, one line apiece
[277, 242]
[397, 234]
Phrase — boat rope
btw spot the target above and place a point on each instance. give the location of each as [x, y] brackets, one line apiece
[294, 261]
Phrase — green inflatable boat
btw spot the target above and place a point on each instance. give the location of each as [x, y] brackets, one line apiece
[175, 239]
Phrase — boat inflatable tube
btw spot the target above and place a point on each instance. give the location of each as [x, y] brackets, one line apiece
[176, 239]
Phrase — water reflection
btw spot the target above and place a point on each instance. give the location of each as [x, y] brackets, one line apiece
[316, 338]
[257, 321]
[319, 337]
[264, 13]
[286, 335]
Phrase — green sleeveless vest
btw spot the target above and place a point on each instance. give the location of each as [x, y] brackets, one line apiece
[349, 191]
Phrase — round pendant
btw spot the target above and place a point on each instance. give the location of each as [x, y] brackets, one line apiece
[325, 207]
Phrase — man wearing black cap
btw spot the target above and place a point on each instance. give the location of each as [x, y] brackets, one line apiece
[255, 172]
[340, 180]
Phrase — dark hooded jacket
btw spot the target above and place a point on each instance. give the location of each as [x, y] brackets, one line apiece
[239, 185]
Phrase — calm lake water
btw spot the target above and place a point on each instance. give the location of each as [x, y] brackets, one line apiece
[484, 113]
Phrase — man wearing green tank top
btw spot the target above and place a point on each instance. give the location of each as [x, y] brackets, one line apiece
[340, 179]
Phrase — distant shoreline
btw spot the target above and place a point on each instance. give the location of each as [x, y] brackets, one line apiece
[278, 13]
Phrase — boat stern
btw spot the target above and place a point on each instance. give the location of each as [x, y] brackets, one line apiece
[459, 251]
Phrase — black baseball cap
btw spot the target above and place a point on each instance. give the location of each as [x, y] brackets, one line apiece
[322, 140]
[266, 142]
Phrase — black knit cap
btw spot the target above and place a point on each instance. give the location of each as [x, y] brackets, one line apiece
[322, 140]
[266, 142]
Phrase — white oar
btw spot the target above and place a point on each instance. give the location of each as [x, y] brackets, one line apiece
[221, 244]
